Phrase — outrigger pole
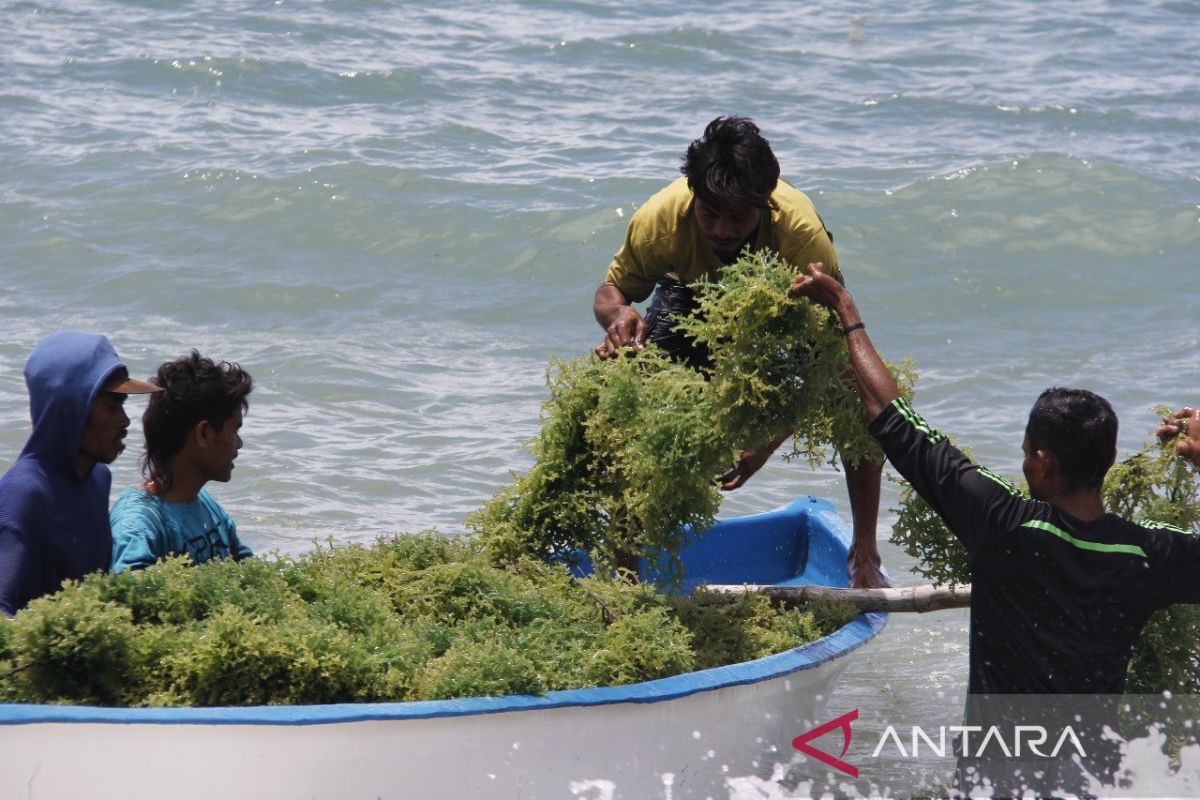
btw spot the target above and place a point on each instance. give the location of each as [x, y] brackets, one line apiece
[909, 598]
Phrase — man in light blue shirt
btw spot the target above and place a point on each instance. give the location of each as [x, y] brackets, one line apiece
[192, 437]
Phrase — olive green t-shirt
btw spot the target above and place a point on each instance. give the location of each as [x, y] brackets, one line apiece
[664, 240]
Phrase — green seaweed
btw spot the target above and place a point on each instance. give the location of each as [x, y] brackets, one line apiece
[629, 450]
[416, 617]
[780, 363]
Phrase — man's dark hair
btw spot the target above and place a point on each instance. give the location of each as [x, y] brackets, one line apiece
[1080, 428]
[731, 166]
[195, 388]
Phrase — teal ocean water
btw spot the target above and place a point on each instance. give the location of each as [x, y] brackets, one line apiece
[394, 215]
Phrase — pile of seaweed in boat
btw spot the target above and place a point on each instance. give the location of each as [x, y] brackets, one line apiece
[625, 465]
[417, 617]
[1154, 484]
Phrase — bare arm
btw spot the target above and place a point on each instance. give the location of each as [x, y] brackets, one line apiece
[875, 382]
[622, 324]
[751, 462]
[878, 389]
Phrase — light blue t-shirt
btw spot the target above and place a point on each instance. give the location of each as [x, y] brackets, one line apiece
[146, 529]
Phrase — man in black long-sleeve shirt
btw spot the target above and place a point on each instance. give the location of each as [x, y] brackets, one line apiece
[1060, 588]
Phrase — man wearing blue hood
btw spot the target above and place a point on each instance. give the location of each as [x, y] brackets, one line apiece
[54, 499]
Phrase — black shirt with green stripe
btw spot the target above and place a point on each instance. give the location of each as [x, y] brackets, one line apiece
[1057, 603]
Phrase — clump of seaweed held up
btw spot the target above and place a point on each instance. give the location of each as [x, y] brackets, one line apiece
[625, 463]
[629, 449]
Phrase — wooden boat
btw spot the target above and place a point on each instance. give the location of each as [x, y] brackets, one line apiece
[679, 737]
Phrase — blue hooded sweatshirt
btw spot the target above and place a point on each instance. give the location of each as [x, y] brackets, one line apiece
[54, 524]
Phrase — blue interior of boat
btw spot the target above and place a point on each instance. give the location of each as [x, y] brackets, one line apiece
[773, 547]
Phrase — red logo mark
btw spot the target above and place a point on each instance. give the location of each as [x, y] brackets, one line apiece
[801, 743]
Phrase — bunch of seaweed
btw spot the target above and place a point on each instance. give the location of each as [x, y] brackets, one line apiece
[629, 450]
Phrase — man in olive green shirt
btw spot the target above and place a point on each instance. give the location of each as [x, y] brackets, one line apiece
[729, 199]
[668, 237]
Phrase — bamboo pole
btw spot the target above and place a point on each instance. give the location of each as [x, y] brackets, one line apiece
[909, 598]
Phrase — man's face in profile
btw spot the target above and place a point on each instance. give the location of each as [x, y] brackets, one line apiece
[107, 425]
[107, 422]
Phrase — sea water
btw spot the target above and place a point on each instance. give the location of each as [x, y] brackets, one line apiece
[394, 215]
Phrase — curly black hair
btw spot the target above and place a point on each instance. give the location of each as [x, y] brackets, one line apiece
[195, 389]
[731, 166]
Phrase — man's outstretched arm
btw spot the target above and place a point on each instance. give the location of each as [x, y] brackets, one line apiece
[875, 382]
[974, 503]
[878, 389]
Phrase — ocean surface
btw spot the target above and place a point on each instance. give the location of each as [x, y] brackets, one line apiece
[394, 215]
